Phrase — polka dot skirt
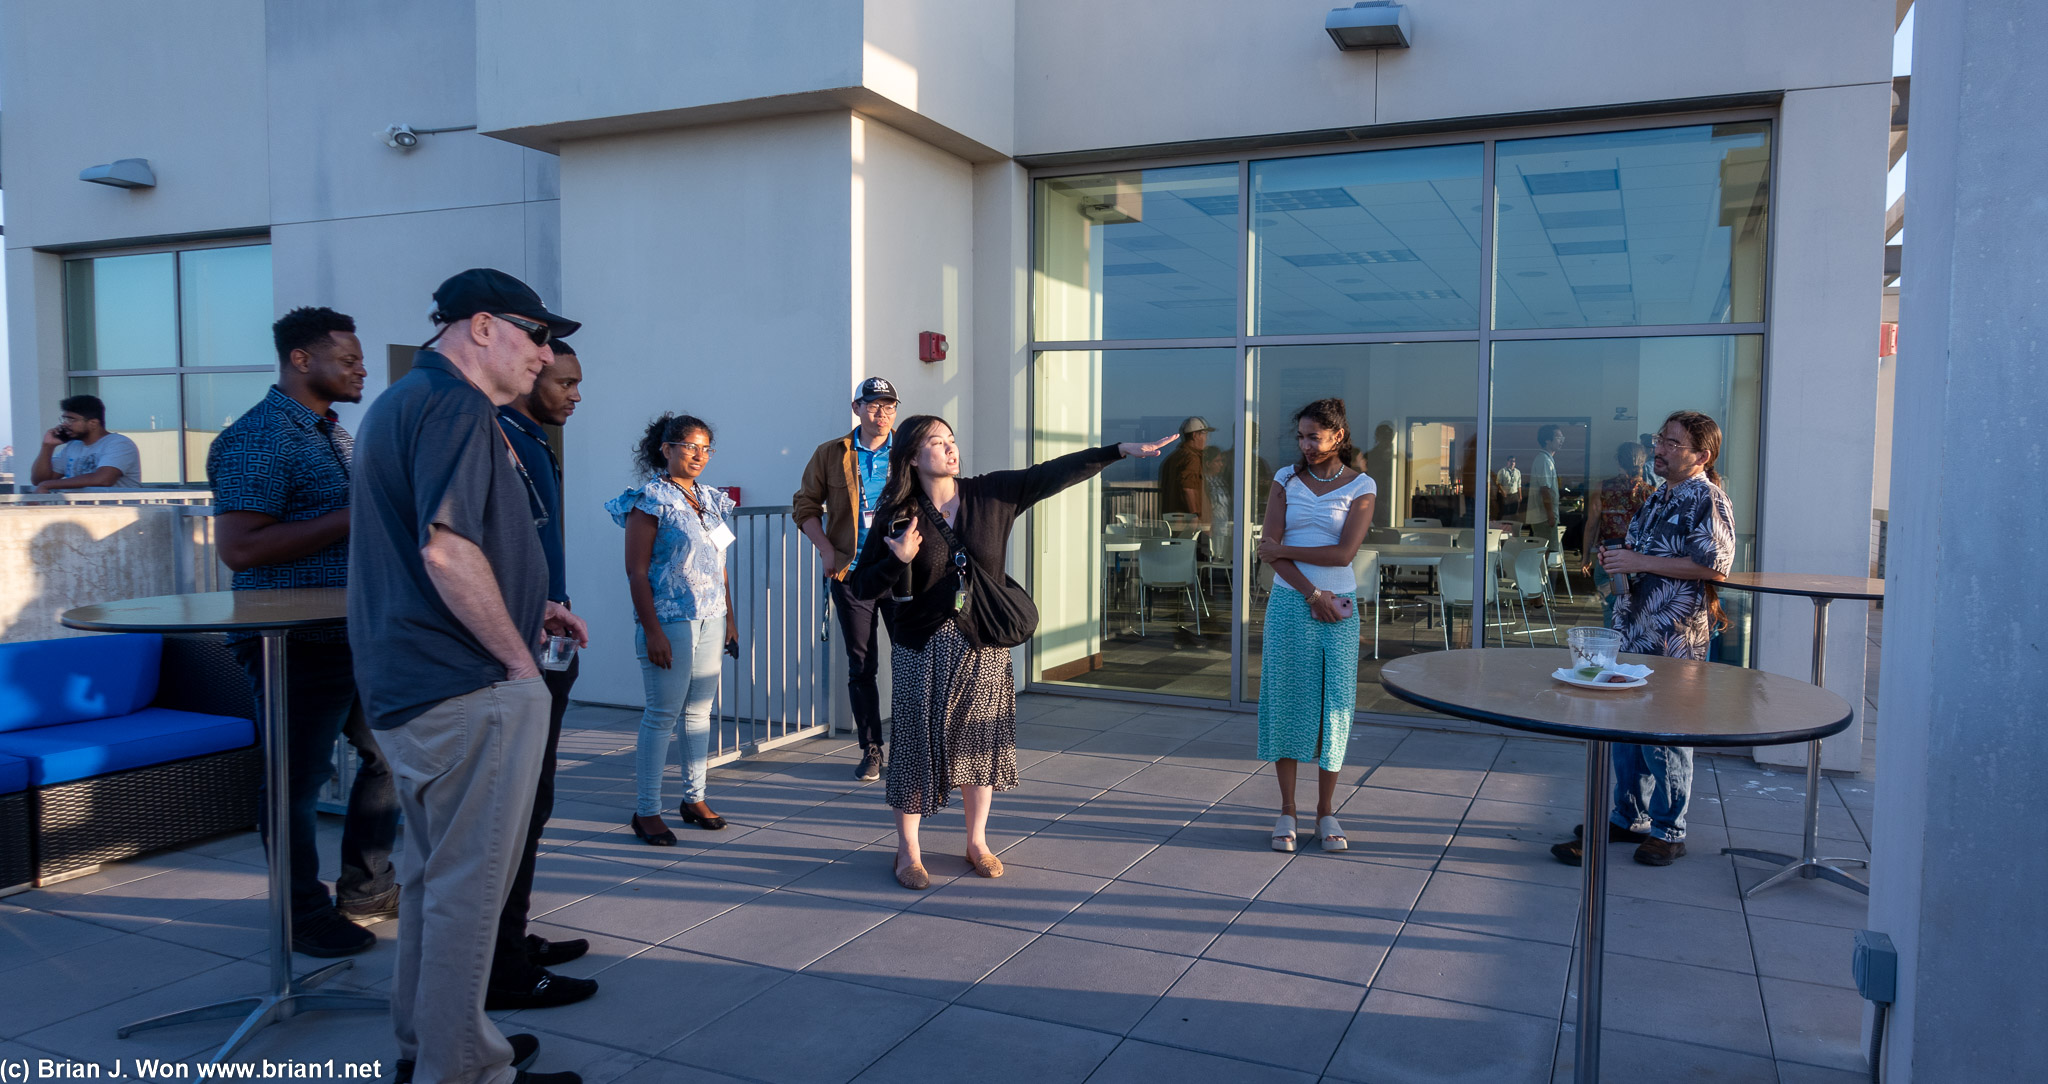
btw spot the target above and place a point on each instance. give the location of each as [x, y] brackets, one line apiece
[954, 721]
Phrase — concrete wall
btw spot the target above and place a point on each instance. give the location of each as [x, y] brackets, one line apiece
[1953, 882]
[60, 557]
[1142, 72]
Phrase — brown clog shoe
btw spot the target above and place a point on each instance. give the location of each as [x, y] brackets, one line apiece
[987, 865]
[914, 878]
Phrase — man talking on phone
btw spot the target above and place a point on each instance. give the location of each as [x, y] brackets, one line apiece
[835, 507]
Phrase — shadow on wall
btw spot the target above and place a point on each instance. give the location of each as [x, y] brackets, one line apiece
[58, 558]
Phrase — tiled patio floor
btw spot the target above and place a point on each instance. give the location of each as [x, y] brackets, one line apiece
[1144, 932]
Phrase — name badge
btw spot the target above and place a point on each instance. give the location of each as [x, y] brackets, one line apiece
[722, 536]
[867, 519]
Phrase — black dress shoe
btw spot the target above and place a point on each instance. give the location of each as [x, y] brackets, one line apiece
[541, 952]
[326, 934]
[524, 1047]
[663, 838]
[547, 991]
[710, 824]
[564, 1077]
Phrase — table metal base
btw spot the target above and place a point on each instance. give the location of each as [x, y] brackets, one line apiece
[1809, 864]
[298, 996]
[287, 996]
[1592, 910]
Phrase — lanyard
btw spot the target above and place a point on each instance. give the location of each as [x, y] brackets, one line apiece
[540, 510]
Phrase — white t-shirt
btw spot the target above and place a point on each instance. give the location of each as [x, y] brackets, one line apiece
[1510, 480]
[1319, 521]
[1542, 476]
[75, 457]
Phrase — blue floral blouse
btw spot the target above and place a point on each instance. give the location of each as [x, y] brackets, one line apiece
[688, 571]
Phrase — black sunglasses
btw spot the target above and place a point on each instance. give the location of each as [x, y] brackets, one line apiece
[540, 333]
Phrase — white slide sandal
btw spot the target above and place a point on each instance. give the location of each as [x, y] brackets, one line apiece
[1283, 834]
[1332, 834]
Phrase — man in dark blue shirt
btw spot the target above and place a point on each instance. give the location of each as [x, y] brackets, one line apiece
[280, 477]
[519, 972]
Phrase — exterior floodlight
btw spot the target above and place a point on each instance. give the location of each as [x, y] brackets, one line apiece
[400, 137]
[126, 173]
[1371, 24]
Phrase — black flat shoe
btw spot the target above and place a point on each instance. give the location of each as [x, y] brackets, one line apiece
[541, 952]
[710, 824]
[663, 838]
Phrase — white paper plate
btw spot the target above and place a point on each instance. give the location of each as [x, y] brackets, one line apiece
[1570, 677]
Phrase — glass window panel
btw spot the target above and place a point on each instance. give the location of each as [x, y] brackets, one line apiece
[121, 312]
[212, 401]
[224, 302]
[1665, 226]
[1143, 254]
[1381, 241]
[1410, 406]
[1604, 395]
[145, 410]
[1132, 570]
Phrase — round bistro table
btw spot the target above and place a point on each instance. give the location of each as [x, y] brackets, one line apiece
[1685, 703]
[272, 614]
[1808, 863]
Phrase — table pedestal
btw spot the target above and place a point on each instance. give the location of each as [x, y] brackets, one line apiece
[1808, 864]
[1592, 909]
[287, 996]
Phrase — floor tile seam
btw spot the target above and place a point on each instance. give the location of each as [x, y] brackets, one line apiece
[259, 950]
[132, 994]
[1072, 935]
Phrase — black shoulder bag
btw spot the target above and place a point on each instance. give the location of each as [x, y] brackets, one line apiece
[994, 610]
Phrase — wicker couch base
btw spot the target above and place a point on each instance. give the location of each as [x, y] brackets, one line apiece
[17, 862]
[110, 817]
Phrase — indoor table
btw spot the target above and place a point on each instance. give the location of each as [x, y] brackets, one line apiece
[1809, 863]
[272, 614]
[1685, 703]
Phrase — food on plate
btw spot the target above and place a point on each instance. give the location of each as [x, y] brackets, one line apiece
[1616, 679]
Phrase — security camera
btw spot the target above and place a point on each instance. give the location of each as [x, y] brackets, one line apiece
[401, 137]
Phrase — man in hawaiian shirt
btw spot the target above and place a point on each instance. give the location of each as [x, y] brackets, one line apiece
[1683, 537]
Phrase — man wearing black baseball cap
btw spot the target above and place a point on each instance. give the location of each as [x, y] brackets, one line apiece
[843, 484]
[447, 610]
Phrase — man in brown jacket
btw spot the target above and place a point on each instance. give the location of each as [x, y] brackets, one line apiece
[835, 506]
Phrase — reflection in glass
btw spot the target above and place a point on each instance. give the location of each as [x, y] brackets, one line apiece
[1378, 241]
[212, 402]
[120, 312]
[145, 410]
[1606, 394]
[1132, 571]
[1410, 409]
[1143, 254]
[224, 303]
[1664, 226]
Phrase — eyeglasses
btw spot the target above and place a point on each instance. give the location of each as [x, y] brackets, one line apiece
[1669, 445]
[691, 448]
[540, 333]
[879, 408]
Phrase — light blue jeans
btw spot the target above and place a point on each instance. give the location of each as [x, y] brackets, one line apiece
[1652, 788]
[685, 689]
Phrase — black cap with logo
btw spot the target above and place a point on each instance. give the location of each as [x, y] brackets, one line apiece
[486, 289]
[874, 387]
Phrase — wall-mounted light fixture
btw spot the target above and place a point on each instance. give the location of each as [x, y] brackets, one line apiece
[404, 137]
[125, 173]
[1370, 24]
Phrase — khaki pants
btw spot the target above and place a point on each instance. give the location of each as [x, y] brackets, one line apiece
[465, 772]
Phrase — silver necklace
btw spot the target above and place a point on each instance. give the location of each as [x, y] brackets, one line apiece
[1338, 473]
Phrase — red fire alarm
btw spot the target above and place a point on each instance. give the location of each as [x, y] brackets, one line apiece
[733, 492]
[931, 346]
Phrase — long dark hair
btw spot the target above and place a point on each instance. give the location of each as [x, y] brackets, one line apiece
[1328, 413]
[901, 490]
[1705, 434]
[668, 428]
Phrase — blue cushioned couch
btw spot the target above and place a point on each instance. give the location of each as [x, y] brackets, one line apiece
[118, 745]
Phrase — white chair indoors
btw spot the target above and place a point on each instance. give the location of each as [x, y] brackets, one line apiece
[1529, 580]
[1366, 567]
[1168, 564]
[1454, 588]
[1423, 521]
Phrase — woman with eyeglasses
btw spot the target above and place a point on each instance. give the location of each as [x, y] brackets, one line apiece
[676, 537]
[953, 709]
[1317, 515]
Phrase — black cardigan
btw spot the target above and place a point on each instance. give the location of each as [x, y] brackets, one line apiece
[989, 506]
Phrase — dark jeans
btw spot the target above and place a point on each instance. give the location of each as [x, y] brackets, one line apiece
[320, 705]
[857, 631]
[509, 965]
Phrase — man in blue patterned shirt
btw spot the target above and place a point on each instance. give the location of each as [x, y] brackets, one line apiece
[280, 477]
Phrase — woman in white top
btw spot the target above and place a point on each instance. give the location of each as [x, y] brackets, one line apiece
[1317, 514]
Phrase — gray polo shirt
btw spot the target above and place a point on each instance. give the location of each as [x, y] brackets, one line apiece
[430, 452]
